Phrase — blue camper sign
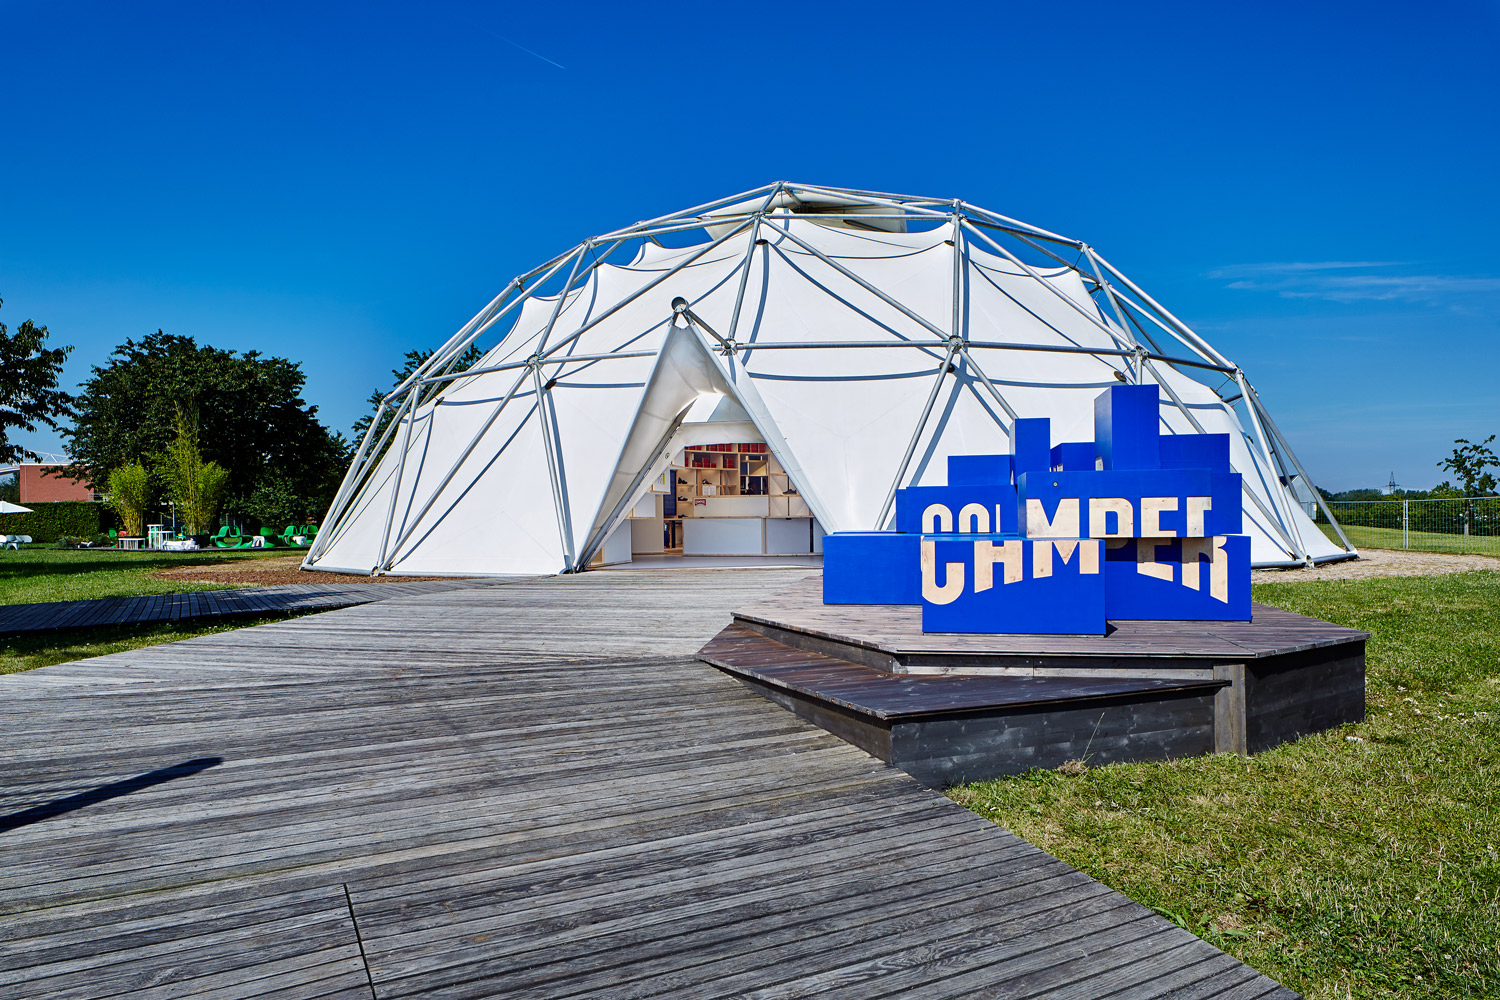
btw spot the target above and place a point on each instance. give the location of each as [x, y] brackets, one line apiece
[1060, 539]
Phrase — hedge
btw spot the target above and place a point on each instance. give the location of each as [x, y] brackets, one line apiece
[48, 522]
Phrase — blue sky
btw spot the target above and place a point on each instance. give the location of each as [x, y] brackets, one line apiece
[1312, 187]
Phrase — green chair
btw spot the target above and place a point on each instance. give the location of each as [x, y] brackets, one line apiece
[230, 538]
[272, 540]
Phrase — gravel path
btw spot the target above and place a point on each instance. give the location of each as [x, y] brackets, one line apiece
[1383, 562]
[270, 571]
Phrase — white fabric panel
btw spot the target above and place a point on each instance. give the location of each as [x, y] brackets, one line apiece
[465, 530]
[680, 374]
[497, 514]
[353, 544]
[592, 403]
[846, 415]
[718, 432]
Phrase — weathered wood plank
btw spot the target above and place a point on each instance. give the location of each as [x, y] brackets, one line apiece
[529, 790]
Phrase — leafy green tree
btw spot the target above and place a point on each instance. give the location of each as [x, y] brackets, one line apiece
[130, 496]
[1468, 462]
[29, 395]
[254, 421]
[196, 486]
[276, 504]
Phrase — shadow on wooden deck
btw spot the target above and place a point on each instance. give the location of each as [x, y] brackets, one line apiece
[205, 605]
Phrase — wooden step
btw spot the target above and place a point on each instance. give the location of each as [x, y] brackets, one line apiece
[945, 729]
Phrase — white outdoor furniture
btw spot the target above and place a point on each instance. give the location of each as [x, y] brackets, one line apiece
[131, 543]
[14, 541]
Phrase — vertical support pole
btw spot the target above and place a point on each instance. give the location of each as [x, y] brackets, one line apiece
[960, 334]
[1109, 295]
[1230, 731]
[564, 523]
[346, 487]
[1275, 488]
[739, 296]
[414, 522]
[1057, 292]
[916, 438]
[583, 250]
[1179, 329]
[754, 236]
[1405, 523]
[1286, 449]
[985, 379]
[410, 411]
[958, 278]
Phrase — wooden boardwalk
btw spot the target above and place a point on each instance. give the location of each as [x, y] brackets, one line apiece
[529, 790]
[21, 619]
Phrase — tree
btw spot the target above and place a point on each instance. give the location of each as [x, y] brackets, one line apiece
[29, 395]
[196, 486]
[1468, 462]
[276, 504]
[130, 495]
[253, 423]
[1444, 491]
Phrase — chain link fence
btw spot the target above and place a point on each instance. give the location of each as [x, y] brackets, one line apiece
[1469, 525]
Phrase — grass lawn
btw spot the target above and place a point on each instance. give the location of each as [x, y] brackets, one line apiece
[1362, 862]
[45, 649]
[35, 575]
[1425, 541]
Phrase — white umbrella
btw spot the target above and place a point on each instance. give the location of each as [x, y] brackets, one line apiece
[6, 507]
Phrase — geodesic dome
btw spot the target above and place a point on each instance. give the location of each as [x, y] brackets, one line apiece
[862, 337]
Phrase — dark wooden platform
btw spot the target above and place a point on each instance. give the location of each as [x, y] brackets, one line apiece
[528, 791]
[948, 708]
[890, 638]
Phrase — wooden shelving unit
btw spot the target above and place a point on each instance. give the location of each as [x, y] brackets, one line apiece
[729, 470]
[715, 483]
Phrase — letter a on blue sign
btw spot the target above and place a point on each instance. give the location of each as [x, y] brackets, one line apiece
[992, 583]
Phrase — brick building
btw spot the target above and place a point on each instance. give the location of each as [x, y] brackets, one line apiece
[38, 484]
